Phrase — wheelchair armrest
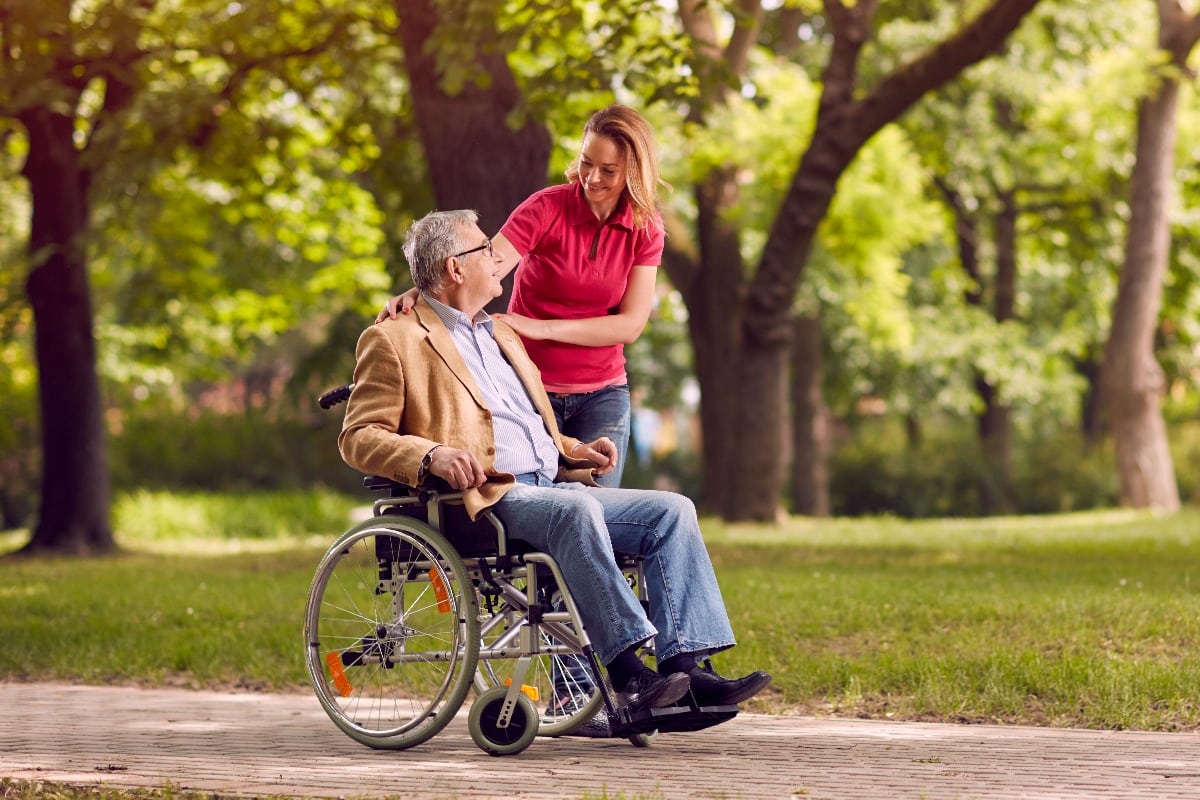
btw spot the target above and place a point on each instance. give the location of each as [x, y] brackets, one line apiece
[378, 483]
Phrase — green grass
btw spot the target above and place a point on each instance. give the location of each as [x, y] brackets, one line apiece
[1089, 620]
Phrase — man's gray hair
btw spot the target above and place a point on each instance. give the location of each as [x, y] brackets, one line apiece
[430, 241]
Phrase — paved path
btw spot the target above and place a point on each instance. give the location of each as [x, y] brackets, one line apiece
[257, 744]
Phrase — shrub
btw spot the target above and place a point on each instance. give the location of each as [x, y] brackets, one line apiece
[880, 471]
[223, 452]
[1185, 449]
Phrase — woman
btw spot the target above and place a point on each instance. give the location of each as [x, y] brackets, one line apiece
[589, 252]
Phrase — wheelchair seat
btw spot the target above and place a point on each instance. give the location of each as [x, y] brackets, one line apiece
[471, 538]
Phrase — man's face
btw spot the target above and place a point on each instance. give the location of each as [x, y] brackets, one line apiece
[479, 266]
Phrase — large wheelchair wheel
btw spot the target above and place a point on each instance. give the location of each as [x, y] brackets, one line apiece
[557, 682]
[391, 633]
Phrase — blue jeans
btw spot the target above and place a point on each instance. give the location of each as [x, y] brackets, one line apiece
[581, 526]
[590, 415]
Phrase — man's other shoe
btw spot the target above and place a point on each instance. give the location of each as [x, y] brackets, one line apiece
[648, 689]
[596, 727]
[711, 689]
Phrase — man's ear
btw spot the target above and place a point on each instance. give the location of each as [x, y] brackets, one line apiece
[454, 270]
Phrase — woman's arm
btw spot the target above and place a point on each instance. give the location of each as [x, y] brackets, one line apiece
[623, 327]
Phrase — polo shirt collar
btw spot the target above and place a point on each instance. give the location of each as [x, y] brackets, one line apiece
[580, 214]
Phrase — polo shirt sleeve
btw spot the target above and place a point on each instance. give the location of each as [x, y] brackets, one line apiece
[652, 241]
[528, 222]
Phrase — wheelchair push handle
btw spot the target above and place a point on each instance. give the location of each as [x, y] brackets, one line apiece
[334, 396]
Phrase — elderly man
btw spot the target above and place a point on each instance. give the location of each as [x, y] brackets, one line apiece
[449, 392]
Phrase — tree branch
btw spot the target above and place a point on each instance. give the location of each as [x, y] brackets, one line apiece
[978, 39]
[746, 22]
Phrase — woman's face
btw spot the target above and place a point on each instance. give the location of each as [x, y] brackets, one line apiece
[601, 169]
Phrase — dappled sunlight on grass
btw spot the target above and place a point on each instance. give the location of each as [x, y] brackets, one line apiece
[229, 547]
[987, 531]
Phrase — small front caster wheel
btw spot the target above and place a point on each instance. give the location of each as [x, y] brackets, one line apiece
[484, 723]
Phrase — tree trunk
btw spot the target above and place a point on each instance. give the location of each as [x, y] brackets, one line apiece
[711, 291]
[994, 421]
[475, 159]
[1091, 406]
[1132, 380]
[711, 279]
[810, 422]
[73, 516]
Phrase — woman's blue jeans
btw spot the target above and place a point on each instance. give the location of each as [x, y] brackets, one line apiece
[590, 415]
[582, 526]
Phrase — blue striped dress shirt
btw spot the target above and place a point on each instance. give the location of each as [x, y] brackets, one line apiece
[522, 442]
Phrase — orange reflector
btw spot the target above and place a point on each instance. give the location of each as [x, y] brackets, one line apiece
[529, 691]
[439, 590]
[338, 674]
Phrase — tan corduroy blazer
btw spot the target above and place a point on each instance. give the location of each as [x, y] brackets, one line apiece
[412, 391]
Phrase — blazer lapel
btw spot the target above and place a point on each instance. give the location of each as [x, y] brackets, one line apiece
[514, 351]
[443, 344]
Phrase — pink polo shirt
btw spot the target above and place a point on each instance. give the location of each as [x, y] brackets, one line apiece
[573, 267]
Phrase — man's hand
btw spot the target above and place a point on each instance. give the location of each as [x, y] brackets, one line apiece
[459, 468]
[602, 453]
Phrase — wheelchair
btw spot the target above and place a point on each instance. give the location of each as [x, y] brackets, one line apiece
[415, 607]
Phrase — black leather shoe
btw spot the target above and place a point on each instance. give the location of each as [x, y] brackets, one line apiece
[711, 689]
[648, 689]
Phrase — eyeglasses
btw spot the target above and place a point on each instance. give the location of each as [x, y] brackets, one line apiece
[485, 246]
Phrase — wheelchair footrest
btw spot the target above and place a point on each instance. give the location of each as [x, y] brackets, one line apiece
[675, 719]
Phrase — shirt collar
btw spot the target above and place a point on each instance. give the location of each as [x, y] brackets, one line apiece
[452, 317]
[581, 214]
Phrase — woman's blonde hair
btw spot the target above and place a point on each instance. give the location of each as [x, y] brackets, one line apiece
[635, 138]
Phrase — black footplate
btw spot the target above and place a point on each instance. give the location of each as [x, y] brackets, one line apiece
[673, 719]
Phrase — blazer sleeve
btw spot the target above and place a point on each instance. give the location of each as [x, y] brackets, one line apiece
[369, 441]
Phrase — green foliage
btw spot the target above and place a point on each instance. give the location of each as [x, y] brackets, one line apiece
[19, 456]
[576, 52]
[881, 469]
[659, 362]
[18, 379]
[1046, 125]
[248, 199]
